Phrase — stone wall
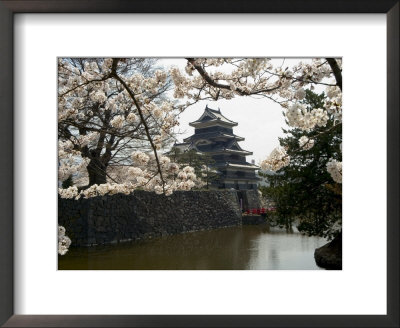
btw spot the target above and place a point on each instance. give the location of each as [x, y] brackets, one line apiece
[250, 199]
[254, 219]
[110, 219]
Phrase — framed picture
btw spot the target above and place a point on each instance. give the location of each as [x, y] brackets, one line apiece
[193, 198]
[192, 297]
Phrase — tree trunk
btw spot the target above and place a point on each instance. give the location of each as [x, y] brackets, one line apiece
[97, 172]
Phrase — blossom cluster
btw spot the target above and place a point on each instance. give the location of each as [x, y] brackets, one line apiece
[298, 116]
[249, 76]
[117, 122]
[70, 165]
[187, 179]
[63, 241]
[143, 175]
[86, 93]
[306, 143]
[87, 139]
[106, 189]
[70, 157]
[69, 193]
[237, 81]
[182, 84]
[173, 176]
[334, 168]
[140, 158]
[276, 160]
[300, 94]
[333, 103]
[206, 171]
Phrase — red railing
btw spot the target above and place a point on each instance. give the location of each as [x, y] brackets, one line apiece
[259, 211]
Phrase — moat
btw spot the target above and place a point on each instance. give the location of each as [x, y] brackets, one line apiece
[238, 248]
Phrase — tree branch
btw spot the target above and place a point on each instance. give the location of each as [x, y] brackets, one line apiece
[211, 82]
[146, 128]
[336, 71]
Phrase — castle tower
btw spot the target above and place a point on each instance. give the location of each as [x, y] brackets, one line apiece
[214, 135]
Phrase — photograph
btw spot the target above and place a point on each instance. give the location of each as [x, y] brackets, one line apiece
[196, 155]
[199, 163]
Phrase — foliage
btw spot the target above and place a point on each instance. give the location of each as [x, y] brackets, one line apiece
[304, 190]
[201, 162]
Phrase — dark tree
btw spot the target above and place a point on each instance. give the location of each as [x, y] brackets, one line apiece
[304, 191]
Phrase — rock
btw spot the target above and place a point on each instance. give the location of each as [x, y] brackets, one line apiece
[329, 256]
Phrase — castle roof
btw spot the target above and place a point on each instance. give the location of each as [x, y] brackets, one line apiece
[212, 135]
[182, 146]
[212, 117]
[247, 165]
[242, 166]
[233, 147]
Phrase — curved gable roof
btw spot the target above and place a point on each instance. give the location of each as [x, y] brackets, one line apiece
[213, 114]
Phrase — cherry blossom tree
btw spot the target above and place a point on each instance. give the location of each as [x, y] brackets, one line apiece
[99, 120]
[114, 111]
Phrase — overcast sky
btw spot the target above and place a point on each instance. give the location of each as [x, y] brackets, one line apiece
[260, 121]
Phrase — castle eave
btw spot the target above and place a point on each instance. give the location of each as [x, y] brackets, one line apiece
[239, 151]
[244, 166]
[229, 151]
[235, 136]
[241, 179]
[214, 122]
[213, 136]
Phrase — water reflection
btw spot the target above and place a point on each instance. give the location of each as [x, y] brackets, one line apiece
[238, 248]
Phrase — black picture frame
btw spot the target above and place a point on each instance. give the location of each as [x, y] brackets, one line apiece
[7, 11]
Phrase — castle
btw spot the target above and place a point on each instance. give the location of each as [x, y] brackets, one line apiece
[214, 135]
